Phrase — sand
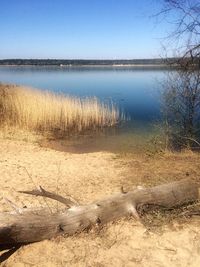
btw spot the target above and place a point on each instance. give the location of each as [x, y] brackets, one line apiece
[90, 176]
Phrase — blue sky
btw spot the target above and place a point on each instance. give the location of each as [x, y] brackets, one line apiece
[90, 29]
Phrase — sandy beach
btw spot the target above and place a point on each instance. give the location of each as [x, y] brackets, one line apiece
[90, 176]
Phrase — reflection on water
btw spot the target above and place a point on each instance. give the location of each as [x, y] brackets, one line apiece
[135, 91]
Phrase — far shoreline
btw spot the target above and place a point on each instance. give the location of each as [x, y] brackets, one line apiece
[120, 66]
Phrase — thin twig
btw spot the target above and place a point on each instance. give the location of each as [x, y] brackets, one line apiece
[13, 205]
[36, 187]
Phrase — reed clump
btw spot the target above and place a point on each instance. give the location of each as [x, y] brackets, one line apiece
[45, 111]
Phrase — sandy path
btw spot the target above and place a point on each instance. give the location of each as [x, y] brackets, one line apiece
[87, 177]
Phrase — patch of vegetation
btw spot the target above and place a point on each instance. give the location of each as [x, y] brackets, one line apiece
[45, 112]
[153, 218]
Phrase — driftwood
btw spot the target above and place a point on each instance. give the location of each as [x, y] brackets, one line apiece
[28, 225]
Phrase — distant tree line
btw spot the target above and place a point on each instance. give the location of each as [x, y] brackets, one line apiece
[82, 62]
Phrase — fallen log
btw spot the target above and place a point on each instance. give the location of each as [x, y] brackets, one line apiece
[31, 225]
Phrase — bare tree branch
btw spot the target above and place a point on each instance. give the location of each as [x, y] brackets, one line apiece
[43, 193]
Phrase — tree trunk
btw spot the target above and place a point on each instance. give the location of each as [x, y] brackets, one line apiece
[25, 226]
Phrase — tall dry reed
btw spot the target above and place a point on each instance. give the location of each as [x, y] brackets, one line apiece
[43, 111]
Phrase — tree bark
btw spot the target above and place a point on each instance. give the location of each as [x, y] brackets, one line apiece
[36, 225]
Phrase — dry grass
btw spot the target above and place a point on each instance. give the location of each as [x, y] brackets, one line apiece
[35, 110]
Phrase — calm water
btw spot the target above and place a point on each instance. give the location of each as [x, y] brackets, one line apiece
[135, 91]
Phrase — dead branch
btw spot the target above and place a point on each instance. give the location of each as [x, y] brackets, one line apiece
[43, 193]
[36, 225]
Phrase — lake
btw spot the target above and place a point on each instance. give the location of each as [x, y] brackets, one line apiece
[135, 90]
